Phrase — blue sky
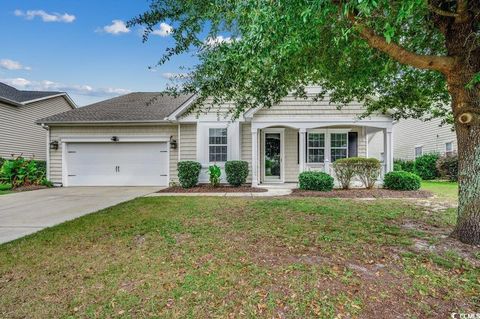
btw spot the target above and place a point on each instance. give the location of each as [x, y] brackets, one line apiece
[76, 46]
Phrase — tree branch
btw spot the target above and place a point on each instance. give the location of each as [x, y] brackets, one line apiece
[441, 12]
[428, 62]
[462, 11]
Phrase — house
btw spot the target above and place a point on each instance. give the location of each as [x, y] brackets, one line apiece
[429, 137]
[138, 139]
[19, 135]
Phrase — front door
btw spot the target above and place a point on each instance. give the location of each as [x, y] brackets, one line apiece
[273, 166]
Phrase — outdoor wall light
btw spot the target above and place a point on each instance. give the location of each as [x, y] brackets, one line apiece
[54, 145]
[173, 143]
[114, 139]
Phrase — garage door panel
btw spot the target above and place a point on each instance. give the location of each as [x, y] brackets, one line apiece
[117, 164]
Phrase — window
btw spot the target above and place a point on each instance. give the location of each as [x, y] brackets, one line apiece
[418, 151]
[316, 147]
[338, 146]
[217, 144]
[449, 149]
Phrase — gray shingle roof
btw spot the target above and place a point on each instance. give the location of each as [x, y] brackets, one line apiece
[19, 96]
[133, 107]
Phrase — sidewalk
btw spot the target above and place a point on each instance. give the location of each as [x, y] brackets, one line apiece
[271, 192]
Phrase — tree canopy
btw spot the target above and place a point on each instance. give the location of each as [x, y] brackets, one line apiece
[276, 47]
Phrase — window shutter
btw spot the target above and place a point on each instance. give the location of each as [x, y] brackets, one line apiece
[352, 144]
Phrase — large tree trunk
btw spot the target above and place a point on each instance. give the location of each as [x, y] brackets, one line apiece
[468, 220]
[466, 109]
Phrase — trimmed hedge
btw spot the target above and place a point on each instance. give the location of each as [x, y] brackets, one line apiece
[401, 180]
[237, 172]
[316, 181]
[448, 167]
[426, 166]
[188, 172]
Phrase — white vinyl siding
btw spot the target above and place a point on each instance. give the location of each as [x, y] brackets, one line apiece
[188, 142]
[19, 135]
[430, 134]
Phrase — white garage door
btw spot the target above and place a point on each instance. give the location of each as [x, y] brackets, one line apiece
[117, 164]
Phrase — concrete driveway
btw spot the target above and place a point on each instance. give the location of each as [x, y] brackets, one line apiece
[28, 212]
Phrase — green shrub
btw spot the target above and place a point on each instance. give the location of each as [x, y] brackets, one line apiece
[447, 167]
[215, 173]
[237, 172]
[368, 170]
[317, 181]
[188, 172]
[401, 180]
[404, 165]
[426, 166]
[5, 187]
[344, 171]
[21, 172]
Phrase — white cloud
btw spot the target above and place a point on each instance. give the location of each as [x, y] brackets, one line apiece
[46, 17]
[174, 75]
[164, 30]
[117, 27]
[217, 40]
[12, 65]
[81, 89]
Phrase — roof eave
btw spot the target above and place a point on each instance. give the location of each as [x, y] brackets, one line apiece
[8, 101]
[64, 94]
[40, 122]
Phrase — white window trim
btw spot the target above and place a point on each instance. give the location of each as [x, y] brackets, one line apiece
[415, 151]
[337, 148]
[327, 133]
[226, 144]
[447, 151]
[319, 148]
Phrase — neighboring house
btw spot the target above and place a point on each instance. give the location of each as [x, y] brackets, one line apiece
[19, 135]
[138, 139]
[413, 138]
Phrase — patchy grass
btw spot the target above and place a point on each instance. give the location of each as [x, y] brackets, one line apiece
[198, 257]
[443, 190]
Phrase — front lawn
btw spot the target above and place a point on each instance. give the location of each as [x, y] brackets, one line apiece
[444, 190]
[200, 257]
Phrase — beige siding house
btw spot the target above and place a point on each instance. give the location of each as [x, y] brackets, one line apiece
[19, 135]
[415, 137]
[138, 139]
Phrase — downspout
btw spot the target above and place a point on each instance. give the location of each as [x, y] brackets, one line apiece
[48, 149]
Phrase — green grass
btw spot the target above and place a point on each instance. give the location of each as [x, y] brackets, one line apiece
[443, 190]
[199, 257]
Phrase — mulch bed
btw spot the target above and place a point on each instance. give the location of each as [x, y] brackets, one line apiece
[363, 193]
[29, 188]
[206, 188]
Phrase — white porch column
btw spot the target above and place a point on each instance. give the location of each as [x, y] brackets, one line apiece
[301, 149]
[388, 149]
[254, 157]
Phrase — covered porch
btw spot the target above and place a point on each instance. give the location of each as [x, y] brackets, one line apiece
[282, 150]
